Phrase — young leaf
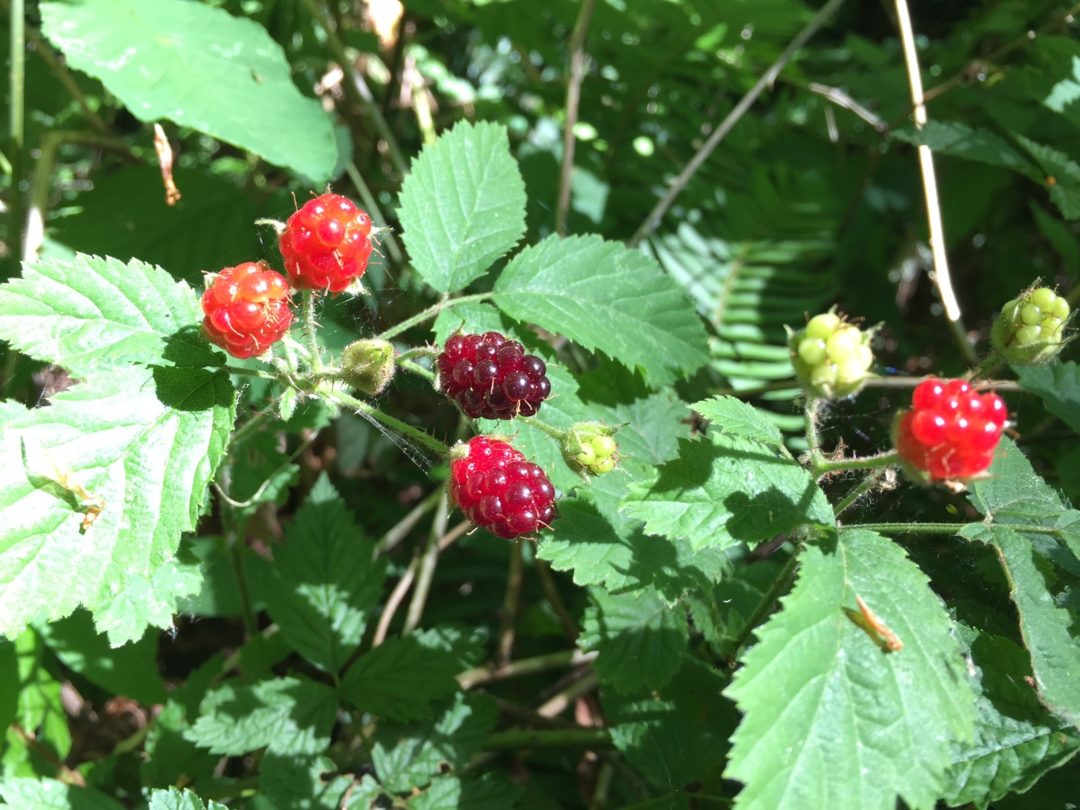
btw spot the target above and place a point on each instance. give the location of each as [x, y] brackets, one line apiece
[676, 734]
[199, 67]
[462, 205]
[640, 638]
[724, 489]
[95, 491]
[324, 581]
[832, 718]
[1016, 742]
[286, 715]
[51, 794]
[608, 298]
[1058, 384]
[175, 799]
[401, 677]
[89, 312]
[408, 757]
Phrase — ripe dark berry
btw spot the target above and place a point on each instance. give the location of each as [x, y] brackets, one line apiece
[951, 431]
[326, 244]
[246, 309]
[498, 489]
[490, 376]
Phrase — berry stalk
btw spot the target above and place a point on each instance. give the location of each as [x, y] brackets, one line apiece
[311, 333]
[429, 313]
[404, 428]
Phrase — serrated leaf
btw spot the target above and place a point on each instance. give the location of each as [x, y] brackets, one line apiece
[143, 444]
[831, 719]
[731, 415]
[639, 637]
[1047, 626]
[606, 298]
[1065, 188]
[724, 489]
[1012, 492]
[1016, 742]
[1058, 384]
[960, 140]
[199, 67]
[175, 799]
[676, 734]
[462, 205]
[399, 679]
[20, 793]
[490, 791]
[324, 580]
[39, 710]
[408, 757]
[91, 312]
[285, 715]
[306, 782]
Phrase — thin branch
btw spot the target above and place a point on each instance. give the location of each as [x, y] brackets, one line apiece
[765, 606]
[393, 602]
[940, 528]
[428, 560]
[573, 98]
[551, 593]
[842, 99]
[558, 703]
[941, 277]
[525, 666]
[652, 221]
[400, 530]
[16, 124]
[429, 313]
[514, 578]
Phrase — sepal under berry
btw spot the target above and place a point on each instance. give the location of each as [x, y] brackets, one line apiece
[368, 365]
[590, 448]
[832, 358]
[1030, 329]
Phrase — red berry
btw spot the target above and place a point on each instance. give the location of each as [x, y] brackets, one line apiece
[498, 489]
[490, 376]
[326, 244]
[246, 308]
[951, 431]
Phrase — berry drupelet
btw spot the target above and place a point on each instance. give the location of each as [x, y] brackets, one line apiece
[498, 489]
[491, 377]
[246, 309]
[326, 244]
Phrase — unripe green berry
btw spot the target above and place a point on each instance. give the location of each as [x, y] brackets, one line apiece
[368, 365]
[589, 448]
[812, 350]
[1030, 328]
[822, 326]
[832, 358]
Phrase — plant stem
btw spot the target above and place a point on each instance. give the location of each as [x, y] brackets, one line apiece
[652, 221]
[558, 703]
[573, 97]
[813, 441]
[942, 279]
[311, 331]
[524, 666]
[401, 529]
[556, 433]
[551, 593]
[393, 602]
[940, 528]
[515, 739]
[407, 430]
[418, 351]
[252, 372]
[428, 560]
[765, 606]
[416, 368]
[856, 492]
[514, 578]
[16, 125]
[430, 313]
[824, 467]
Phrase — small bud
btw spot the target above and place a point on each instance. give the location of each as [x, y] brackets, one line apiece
[368, 365]
[588, 447]
[1031, 327]
[832, 358]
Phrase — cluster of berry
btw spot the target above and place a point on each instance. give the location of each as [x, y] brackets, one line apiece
[326, 246]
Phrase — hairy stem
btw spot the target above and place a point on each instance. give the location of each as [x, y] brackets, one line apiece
[311, 331]
[429, 313]
[860, 489]
[405, 429]
[939, 528]
[881, 460]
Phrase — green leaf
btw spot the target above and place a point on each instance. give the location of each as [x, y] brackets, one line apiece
[39, 709]
[1058, 384]
[960, 140]
[1013, 493]
[731, 415]
[676, 734]
[399, 679]
[1046, 624]
[831, 719]
[306, 782]
[1016, 742]
[1065, 189]
[724, 489]
[640, 638]
[130, 671]
[462, 205]
[199, 67]
[9, 683]
[408, 757]
[90, 312]
[285, 715]
[608, 298]
[143, 444]
[174, 799]
[491, 791]
[49, 794]
[324, 580]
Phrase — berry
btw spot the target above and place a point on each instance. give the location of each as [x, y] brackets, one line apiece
[246, 308]
[831, 358]
[326, 244]
[490, 376]
[588, 447]
[951, 431]
[498, 489]
[1030, 329]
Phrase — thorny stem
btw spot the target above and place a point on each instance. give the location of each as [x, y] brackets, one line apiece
[652, 221]
[416, 368]
[812, 410]
[556, 433]
[524, 666]
[428, 560]
[941, 277]
[573, 97]
[940, 528]
[765, 606]
[311, 331]
[430, 313]
[822, 466]
[417, 435]
[860, 489]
